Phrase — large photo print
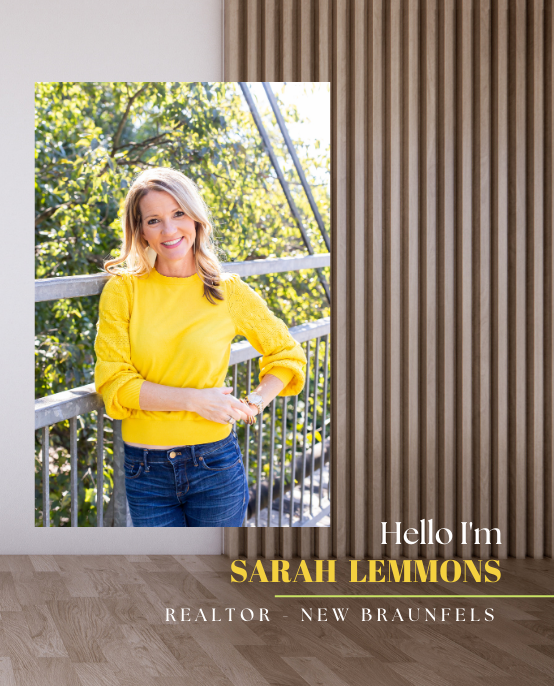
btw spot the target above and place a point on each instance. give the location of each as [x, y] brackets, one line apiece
[182, 304]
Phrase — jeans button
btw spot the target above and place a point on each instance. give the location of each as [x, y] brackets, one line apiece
[172, 455]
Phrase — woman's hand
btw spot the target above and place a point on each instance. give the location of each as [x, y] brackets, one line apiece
[214, 404]
[218, 405]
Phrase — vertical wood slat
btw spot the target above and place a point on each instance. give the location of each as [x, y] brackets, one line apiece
[410, 272]
[357, 262]
[305, 21]
[517, 282]
[442, 249]
[500, 271]
[252, 44]
[393, 286]
[323, 38]
[535, 282]
[270, 47]
[232, 48]
[288, 36]
[340, 443]
[286, 542]
[375, 477]
[428, 176]
[482, 261]
[549, 273]
[464, 269]
[446, 233]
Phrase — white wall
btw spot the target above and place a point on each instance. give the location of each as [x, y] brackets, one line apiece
[65, 40]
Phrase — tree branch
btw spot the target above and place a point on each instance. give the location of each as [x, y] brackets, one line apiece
[121, 126]
[147, 142]
[46, 214]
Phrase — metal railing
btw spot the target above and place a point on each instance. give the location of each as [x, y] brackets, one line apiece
[292, 468]
[304, 450]
[92, 284]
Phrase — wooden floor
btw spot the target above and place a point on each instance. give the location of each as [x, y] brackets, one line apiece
[100, 621]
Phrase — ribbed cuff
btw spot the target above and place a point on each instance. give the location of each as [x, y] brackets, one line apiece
[128, 394]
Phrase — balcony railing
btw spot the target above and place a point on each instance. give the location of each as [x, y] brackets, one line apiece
[285, 453]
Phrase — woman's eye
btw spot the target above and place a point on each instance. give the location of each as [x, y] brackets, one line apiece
[151, 221]
[179, 213]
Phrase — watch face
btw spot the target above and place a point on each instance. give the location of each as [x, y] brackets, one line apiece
[254, 398]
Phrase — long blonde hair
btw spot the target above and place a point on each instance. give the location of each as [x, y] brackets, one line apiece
[134, 247]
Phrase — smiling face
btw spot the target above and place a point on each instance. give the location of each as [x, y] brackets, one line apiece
[169, 232]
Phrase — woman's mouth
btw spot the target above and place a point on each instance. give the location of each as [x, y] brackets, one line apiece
[174, 243]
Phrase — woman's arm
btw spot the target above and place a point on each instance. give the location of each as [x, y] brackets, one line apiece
[282, 356]
[114, 374]
[215, 404]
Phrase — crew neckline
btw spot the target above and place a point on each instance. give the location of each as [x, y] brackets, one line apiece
[173, 280]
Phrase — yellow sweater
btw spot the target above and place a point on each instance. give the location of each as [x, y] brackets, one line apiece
[161, 329]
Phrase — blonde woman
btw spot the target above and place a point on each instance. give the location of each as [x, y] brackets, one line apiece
[166, 322]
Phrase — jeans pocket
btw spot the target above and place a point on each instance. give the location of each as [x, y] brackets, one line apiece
[131, 471]
[227, 458]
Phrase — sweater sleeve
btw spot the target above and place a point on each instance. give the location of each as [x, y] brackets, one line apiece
[281, 354]
[115, 377]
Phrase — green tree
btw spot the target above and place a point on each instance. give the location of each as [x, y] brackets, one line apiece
[91, 141]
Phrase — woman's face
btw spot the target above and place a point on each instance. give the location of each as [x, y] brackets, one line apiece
[168, 230]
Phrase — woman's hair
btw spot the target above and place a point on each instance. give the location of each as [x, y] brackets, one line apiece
[134, 247]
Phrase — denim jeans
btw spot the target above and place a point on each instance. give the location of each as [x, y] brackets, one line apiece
[191, 485]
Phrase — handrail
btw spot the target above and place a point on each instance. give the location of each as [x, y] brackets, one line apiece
[92, 284]
[60, 406]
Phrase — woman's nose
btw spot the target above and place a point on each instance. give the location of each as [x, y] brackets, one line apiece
[168, 226]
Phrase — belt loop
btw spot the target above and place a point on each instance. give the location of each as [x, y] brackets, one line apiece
[193, 456]
[146, 465]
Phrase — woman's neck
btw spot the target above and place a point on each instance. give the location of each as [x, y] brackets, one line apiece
[177, 268]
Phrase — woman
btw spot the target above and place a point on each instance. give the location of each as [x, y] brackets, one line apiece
[165, 328]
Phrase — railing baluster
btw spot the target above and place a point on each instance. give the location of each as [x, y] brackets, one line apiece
[46, 476]
[260, 460]
[283, 456]
[235, 386]
[271, 456]
[293, 461]
[119, 494]
[306, 408]
[247, 432]
[100, 468]
[323, 421]
[330, 438]
[314, 424]
[74, 479]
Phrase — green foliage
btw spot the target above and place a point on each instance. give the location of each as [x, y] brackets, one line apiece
[92, 139]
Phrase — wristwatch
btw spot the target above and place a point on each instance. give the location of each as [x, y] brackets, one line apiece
[257, 400]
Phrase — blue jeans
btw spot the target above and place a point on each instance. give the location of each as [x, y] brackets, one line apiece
[190, 485]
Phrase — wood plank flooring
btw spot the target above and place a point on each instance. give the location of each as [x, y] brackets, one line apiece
[101, 621]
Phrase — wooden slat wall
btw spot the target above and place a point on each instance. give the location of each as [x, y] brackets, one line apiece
[442, 264]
